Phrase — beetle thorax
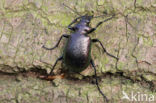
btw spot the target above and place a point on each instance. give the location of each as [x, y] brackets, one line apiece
[83, 30]
[82, 27]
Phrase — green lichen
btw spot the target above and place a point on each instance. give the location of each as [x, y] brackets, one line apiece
[148, 41]
[149, 77]
[121, 65]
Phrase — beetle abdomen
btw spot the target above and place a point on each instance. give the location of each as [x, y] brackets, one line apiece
[77, 53]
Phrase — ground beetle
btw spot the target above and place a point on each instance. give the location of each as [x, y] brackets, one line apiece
[77, 53]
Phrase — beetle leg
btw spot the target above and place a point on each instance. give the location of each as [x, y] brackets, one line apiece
[64, 35]
[58, 59]
[93, 29]
[50, 76]
[97, 84]
[96, 40]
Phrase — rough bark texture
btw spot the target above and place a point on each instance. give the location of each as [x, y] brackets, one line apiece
[25, 25]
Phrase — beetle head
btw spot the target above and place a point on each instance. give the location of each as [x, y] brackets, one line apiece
[86, 18]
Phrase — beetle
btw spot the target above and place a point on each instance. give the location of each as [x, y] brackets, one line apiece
[77, 52]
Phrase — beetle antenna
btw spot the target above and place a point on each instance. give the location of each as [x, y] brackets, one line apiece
[102, 15]
[99, 16]
[71, 9]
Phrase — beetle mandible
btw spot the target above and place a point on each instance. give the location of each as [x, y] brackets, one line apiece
[77, 52]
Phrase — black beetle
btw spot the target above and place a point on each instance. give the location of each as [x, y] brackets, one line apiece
[77, 53]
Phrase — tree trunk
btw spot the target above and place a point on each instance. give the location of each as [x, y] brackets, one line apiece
[27, 25]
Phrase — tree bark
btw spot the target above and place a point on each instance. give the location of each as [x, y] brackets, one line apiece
[28, 25]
